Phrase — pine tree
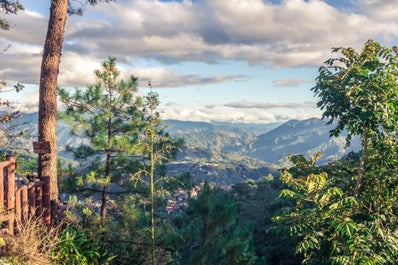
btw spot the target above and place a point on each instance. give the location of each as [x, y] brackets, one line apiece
[59, 9]
[157, 148]
[109, 114]
[212, 234]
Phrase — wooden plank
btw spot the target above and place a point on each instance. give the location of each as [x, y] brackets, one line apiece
[25, 202]
[18, 213]
[32, 200]
[2, 191]
[11, 194]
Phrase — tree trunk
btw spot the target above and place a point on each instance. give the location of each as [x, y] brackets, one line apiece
[103, 204]
[47, 163]
[361, 169]
[106, 186]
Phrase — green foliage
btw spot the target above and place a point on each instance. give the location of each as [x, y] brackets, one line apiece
[211, 234]
[345, 212]
[126, 147]
[333, 227]
[256, 203]
[26, 165]
[109, 114]
[157, 148]
[359, 90]
[74, 247]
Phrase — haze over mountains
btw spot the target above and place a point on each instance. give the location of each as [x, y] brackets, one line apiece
[227, 153]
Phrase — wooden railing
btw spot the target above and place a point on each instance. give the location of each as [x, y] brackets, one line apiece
[19, 202]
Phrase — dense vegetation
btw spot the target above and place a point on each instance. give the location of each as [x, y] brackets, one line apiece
[125, 208]
[346, 212]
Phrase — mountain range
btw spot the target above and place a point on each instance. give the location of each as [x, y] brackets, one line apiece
[227, 153]
[231, 152]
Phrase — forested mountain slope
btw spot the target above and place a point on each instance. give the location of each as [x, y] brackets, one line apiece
[227, 153]
[300, 137]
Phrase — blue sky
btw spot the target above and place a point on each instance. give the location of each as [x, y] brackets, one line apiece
[251, 61]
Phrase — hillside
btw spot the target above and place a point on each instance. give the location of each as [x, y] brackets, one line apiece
[226, 153]
[300, 137]
[269, 143]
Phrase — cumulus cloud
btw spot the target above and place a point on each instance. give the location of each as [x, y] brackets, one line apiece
[195, 31]
[244, 104]
[242, 27]
[227, 114]
[79, 71]
[290, 82]
[26, 27]
[162, 77]
[20, 62]
[290, 33]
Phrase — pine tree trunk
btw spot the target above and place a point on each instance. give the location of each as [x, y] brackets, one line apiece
[47, 164]
[103, 204]
[106, 186]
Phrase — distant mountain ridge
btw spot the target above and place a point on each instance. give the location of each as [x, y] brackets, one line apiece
[226, 153]
[266, 142]
[305, 137]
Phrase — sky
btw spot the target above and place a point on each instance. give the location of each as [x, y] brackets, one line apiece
[251, 61]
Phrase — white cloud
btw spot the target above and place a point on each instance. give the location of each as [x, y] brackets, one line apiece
[292, 33]
[162, 77]
[26, 27]
[258, 113]
[290, 82]
[77, 70]
[245, 104]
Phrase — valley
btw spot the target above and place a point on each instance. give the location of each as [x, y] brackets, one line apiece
[225, 153]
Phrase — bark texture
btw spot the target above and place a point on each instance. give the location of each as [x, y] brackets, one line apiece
[47, 163]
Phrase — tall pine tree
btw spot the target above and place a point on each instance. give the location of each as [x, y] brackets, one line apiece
[110, 115]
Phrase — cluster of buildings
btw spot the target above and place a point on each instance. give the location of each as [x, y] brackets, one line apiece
[179, 200]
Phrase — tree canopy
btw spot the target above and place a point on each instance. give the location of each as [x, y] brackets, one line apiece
[345, 212]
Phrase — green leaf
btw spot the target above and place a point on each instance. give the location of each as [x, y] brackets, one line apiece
[2, 242]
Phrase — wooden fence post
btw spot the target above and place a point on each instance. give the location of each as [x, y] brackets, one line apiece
[32, 200]
[46, 200]
[18, 203]
[2, 205]
[11, 193]
[18, 212]
[25, 203]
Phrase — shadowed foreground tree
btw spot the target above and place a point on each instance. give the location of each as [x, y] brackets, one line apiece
[211, 234]
[256, 204]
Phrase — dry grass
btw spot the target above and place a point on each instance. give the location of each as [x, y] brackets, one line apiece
[32, 244]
